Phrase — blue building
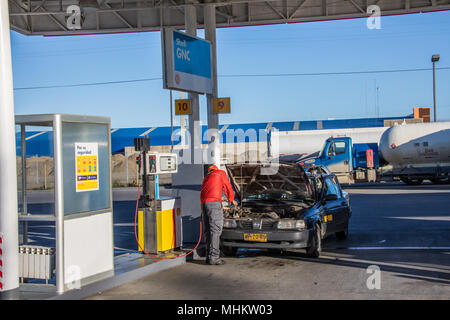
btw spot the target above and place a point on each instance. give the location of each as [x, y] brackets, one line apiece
[40, 143]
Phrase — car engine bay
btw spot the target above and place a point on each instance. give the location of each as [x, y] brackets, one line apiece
[268, 210]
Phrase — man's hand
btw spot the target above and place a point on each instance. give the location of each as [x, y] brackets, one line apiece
[235, 203]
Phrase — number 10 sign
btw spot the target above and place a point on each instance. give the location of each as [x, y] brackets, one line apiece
[182, 106]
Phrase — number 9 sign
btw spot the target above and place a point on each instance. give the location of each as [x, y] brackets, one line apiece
[221, 105]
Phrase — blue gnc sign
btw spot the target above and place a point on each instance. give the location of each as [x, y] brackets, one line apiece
[186, 62]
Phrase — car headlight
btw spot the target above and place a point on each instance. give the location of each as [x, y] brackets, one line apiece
[291, 224]
[228, 223]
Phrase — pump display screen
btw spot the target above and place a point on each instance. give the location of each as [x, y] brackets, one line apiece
[158, 163]
[168, 163]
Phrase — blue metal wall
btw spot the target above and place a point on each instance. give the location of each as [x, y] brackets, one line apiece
[42, 145]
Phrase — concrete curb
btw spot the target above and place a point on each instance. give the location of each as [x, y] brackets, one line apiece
[92, 289]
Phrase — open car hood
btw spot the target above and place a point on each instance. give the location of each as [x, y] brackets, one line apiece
[282, 178]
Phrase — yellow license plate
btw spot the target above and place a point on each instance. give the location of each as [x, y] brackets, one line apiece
[258, 237]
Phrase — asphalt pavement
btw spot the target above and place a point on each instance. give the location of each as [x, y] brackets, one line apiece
[398, 248]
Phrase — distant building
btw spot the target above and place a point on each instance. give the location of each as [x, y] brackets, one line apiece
[40, 143]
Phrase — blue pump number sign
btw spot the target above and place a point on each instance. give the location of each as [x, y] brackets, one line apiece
[186, 62]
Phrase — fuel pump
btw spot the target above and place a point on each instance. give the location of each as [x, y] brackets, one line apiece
[159, 218]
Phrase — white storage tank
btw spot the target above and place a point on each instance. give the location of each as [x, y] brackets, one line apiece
[417, 145]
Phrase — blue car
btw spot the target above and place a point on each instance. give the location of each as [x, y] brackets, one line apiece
[283, 207]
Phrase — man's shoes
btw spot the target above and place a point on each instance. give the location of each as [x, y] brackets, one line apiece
[216, 262]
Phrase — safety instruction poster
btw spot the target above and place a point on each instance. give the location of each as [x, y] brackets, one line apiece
[86, 166]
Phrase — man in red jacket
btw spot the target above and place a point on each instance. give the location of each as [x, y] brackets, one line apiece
[213, 184]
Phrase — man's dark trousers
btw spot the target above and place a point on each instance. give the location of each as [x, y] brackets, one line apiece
[213, 224]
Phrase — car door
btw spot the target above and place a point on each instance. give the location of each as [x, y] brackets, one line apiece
[342, 210]
[332, 206]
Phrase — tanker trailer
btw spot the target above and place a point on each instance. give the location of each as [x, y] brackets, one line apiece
[418, 151]
[308, 142]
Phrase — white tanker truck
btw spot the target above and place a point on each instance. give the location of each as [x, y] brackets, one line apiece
[409, 152]
[418, 151]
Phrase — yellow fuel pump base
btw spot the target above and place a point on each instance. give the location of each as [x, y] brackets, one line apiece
[160, 226]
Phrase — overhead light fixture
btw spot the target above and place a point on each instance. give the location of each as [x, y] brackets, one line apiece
[89, 5]
[435, 58]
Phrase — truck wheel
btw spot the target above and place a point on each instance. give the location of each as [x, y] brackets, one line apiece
[316, 244]
[411, 181]
[229, 251]
[342, 235]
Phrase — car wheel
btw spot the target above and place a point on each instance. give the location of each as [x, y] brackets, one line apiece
[316, 244]
[229, 251]
[342, 235]
[411, 181]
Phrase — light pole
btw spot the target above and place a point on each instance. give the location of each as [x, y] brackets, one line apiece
[435, 58]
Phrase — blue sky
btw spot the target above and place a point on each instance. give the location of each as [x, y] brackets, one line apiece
[403, 42]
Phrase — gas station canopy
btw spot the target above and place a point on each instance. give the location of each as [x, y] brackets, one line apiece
[49, 17]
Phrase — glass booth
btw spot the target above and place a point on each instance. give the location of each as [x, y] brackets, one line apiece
[82, 214]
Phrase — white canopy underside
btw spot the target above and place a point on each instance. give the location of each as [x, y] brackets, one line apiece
[48, 17]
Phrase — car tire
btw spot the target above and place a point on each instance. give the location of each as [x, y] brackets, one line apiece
[316, 246]
[342, 235]
[229, 251]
